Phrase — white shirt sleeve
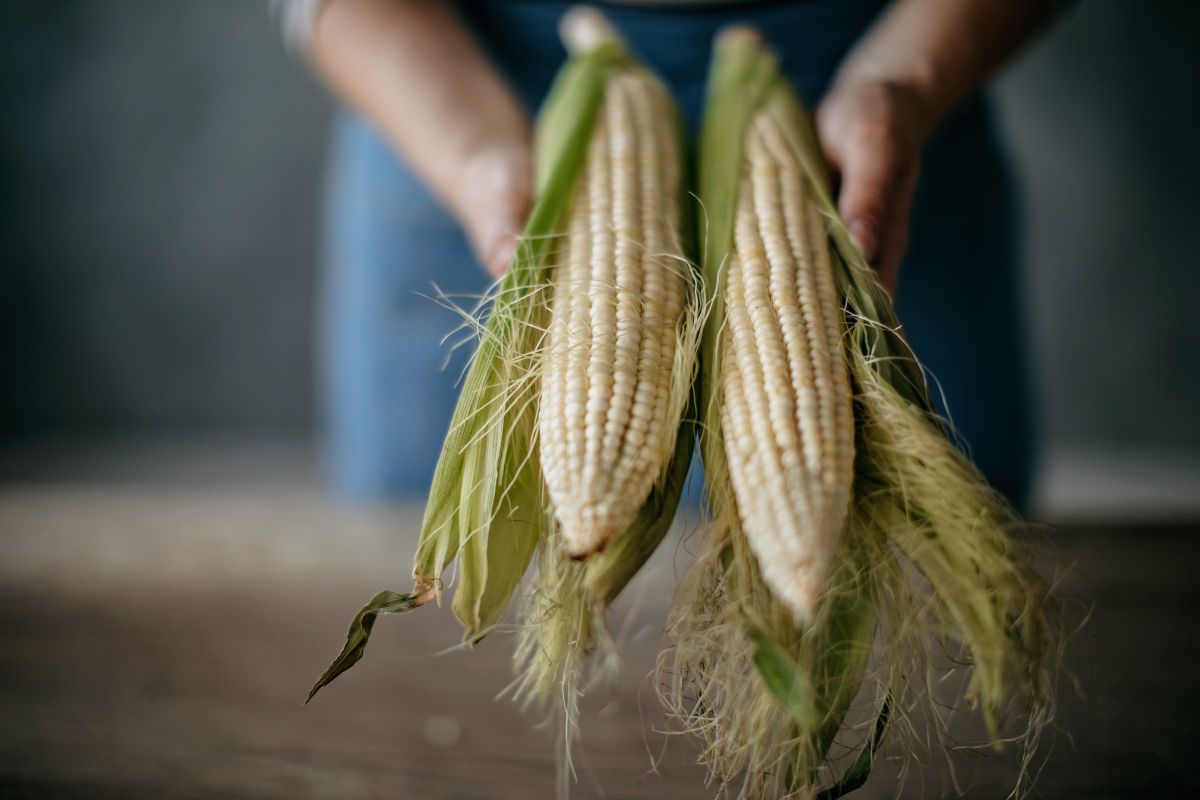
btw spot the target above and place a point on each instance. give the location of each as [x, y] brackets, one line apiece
[296, 17]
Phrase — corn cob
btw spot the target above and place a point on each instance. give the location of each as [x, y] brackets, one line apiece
[608, 419]
[786, 411]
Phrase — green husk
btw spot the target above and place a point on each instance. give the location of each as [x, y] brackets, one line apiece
[929, 556]
[486, 504]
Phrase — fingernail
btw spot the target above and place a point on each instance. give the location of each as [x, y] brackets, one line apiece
[864, 237]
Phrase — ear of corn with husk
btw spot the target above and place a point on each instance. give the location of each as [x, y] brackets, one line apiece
[572, 433]
[616, 403]
[850, 537]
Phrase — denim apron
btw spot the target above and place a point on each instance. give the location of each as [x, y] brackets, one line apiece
[390, 382]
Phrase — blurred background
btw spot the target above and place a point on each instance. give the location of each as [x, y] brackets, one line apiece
[172, 575]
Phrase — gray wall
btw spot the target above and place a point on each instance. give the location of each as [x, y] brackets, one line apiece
[161, 168]
[1102, 119]
[158, 210]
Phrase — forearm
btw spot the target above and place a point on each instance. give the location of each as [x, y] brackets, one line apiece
[942, 50]
[413, 69]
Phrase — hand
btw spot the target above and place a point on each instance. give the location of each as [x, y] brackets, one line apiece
[495, 190]
[872, 133]
[417, 72]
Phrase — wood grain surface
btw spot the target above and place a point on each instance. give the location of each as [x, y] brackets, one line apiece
[157, 641]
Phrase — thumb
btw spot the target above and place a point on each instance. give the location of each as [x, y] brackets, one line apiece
[500, 207]
[875, 201]
[869, 187]
[496, 234]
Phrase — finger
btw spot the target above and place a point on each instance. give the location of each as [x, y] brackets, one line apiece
[497, 230]
[894, 241]
[871, 174]
[891, 251]
[498, 257]
[505, 229]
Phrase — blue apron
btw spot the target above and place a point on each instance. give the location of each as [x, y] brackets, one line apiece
[389, 381]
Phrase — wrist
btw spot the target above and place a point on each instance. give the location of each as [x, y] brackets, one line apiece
[928, 84]
[907, 102]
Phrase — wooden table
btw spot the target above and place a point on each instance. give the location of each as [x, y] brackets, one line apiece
[157, 641]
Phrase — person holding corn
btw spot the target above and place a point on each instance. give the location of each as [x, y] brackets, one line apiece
[431, 173]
